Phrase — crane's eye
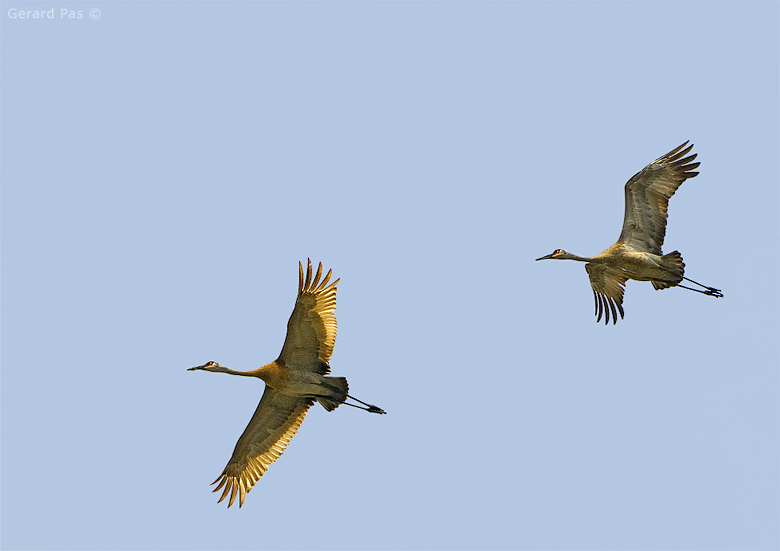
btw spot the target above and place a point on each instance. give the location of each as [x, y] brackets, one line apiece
[210, 364]
[558, 251]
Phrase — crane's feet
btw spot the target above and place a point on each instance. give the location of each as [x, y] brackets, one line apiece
[712, 291]
[369, 407]
[374, 409]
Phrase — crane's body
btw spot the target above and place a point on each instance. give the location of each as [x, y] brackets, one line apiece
[637, 253]
[637, 265]
[329, 391]
[294, 381]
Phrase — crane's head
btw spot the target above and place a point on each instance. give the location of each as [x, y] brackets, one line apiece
[210, 366]
[558, 254]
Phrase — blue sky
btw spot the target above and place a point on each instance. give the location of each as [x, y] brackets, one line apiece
[166, 165]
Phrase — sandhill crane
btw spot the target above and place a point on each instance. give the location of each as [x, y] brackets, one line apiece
[637, 253]
[292, 383]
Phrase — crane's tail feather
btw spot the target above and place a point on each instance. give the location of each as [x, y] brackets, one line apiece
[338, 388]
[673, 263]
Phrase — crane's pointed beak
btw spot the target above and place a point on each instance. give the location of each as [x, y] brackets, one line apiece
[209, 366]
[548, 257]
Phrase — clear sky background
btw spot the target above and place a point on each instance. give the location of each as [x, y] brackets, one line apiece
[166, 166]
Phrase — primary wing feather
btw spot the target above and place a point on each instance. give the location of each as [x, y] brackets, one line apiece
[311, 331]
[276, 420]
[608, 287]
[647, 199]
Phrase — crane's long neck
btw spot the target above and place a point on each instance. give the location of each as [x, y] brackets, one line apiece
[266, 373]
[229, 371]
[570, 256]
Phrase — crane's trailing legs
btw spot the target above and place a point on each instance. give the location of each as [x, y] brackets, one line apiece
[712, 291]
[371, 408]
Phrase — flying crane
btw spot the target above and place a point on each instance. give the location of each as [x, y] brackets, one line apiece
[637, 252]
[293, 382]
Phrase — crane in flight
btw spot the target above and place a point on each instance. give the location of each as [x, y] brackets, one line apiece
[293, 382]
[637, 252]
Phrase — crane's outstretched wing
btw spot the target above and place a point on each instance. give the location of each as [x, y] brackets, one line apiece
[311, 331]
[647, 199]
[276, 420]
[608, 286]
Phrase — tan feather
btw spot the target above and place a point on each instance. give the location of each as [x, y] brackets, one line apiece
[275, 421]
[311, 330]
